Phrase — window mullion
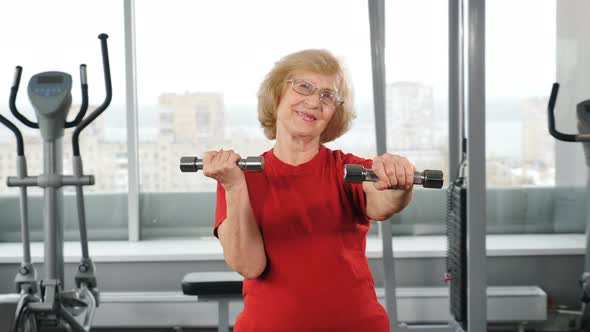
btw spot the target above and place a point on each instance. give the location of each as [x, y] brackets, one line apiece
[132, 122]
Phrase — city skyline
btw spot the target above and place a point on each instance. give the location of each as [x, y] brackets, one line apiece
[178, 118]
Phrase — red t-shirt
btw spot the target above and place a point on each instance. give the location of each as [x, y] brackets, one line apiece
[313, 225]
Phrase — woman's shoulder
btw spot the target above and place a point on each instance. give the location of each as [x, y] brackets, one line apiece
[343, 157]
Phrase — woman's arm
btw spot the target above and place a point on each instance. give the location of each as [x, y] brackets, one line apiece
[243, 248]
[393, 191]
[382, 205]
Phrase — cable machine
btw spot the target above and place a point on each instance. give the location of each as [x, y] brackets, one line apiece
[468, 301]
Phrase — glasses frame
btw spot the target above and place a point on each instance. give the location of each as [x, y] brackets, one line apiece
[339, 100]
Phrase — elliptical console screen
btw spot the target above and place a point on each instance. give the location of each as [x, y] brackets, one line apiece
[50, 79]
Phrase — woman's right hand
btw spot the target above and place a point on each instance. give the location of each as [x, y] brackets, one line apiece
[222, 166]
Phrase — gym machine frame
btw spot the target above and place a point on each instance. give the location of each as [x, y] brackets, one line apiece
[466, 31]
[583, 110]
[45, 305]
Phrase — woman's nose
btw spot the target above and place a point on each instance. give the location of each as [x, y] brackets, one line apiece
[313, 101]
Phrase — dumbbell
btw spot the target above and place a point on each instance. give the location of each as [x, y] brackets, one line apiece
[193, 164]
[428, 178]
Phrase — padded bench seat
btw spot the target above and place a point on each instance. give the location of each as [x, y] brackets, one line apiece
[212, 284]
[220, 287]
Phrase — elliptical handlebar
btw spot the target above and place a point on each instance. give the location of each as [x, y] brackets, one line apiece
[12, 101]
[109, 95]
[84, 105]
[20, 147]
[551, 116]
[79, 122]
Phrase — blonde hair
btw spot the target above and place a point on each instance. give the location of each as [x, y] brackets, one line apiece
[316, 61]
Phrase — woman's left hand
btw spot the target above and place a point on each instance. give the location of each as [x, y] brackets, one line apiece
[394, 172]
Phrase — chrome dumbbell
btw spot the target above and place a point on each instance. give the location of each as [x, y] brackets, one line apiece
[428, 178]
[193, 164]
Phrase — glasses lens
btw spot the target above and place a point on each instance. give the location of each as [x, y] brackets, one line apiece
[306, 88]
[329, 98]
[303, 87]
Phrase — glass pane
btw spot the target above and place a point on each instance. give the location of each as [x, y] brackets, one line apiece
[416, 62]
[61, 41]
[535, 183]
[198, 74]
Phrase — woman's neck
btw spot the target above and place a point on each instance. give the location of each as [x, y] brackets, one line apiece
[296, 151]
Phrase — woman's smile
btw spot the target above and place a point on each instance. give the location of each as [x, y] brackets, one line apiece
[305, 116]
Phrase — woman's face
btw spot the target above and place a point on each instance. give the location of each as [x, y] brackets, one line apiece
[305, 116]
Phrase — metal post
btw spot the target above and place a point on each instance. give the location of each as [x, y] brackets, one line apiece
[223, 315]
[456, 85]
[587, 258]
[476, 181]
[21, 170]
[132, 131]
[377, 27]
[53, 212]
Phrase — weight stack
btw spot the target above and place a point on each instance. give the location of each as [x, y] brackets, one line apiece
[457, 249]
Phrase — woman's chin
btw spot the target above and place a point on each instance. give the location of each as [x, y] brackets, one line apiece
[304, 134]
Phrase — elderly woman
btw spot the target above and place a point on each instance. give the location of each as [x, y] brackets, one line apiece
[296, 231]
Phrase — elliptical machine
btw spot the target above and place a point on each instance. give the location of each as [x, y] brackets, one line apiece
[583, 113]
[44, 305]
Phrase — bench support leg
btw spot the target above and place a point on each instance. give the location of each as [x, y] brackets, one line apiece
[223, 316]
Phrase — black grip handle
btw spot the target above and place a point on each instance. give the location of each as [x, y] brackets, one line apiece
[12, 100]
[84, 105]
[107, 100]
[193, 164]
[428, 178]
[20, 147]
[551, 120]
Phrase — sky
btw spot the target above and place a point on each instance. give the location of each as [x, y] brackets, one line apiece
[228, 46]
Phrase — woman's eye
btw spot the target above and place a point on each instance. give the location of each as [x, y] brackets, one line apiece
[305, 86]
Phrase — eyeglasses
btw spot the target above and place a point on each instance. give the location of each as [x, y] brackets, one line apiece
[306, 88]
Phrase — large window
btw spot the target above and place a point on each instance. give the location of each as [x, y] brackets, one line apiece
[199, 70]
[61, 35]
[199, 65]
[535, 184]
[416, 105]
[520, 68]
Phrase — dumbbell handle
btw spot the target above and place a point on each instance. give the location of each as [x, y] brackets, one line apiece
[357, 173]
[193, 164]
